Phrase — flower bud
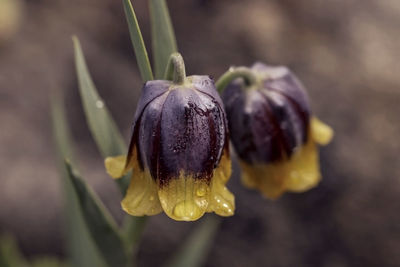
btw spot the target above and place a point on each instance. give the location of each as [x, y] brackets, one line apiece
[273, 131]
[178, 151]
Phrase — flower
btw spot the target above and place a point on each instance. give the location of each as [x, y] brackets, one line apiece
[178, 151]
[273, 131]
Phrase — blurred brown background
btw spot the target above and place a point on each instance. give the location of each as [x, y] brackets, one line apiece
[347, 52]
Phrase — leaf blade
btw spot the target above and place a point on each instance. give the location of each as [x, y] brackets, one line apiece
[102, 126]
[101, 225]
[163, 36]
[78, 237]
[137, 42]
[100, 120]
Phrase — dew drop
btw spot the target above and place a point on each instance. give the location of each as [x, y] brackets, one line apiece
[201, 191]
[99, 104]
[186, 210]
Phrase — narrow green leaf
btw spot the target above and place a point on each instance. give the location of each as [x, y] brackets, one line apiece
[61, 132]
[132, 230]
[195, 249]
[81, 249]
[10, 256]
[137, 42]
[100, 223]
[102, 126]
[162, 34]
[48, 261]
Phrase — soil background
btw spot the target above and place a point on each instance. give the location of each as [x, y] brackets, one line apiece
[345, 51]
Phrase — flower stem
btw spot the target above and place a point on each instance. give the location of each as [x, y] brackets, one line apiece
[250, 78]
[176, 69]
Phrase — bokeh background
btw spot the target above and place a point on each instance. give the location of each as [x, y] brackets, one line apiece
[347, 53]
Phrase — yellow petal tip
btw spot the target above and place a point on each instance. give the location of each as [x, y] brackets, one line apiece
[115, 166]
[298, 174]
[141, 197]
[187, 211]
[321, 132]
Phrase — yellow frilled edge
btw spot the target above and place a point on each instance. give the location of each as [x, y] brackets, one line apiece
[183, 198]
[298, 174]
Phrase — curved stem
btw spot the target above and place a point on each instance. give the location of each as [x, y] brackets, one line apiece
[250, 78]
[175, 69]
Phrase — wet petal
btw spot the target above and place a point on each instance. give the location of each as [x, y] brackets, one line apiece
[187, 198]
[205, 85]
[192, 135]
[222, 201]
[176, 148]
[141, 197]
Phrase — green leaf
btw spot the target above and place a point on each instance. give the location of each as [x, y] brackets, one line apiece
[137, 42]
[61, 132]
[195, 249]
[10, 255]
[132, 230]
[100, 223]
[104, 131]
[48, 261]
[102, 126]
[163, 37]
[80, 246]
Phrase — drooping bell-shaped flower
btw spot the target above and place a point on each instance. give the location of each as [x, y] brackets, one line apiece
[273, 130]
[178, 151]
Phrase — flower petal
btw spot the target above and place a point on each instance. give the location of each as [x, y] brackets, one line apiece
[193, 135]
[141, 197]
[184, 198]
[222, 201]
[151, 91]
[268, 178]
[303, 169]
[115, 166]
[298, 174]
[321, 133]
[187, 198]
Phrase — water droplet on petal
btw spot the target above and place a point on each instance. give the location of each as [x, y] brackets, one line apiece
[201, 191]
[187, 210]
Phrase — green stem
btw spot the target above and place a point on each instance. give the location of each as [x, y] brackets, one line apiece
[132, 230]
[176, 69]
[250, 78]
[195, 248]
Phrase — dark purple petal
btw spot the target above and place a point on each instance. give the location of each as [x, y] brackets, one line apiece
[192, 135]
[205, 84]
[179, 129]
[149, 133]
[268, 123]
[150, 91]
[285, 82]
